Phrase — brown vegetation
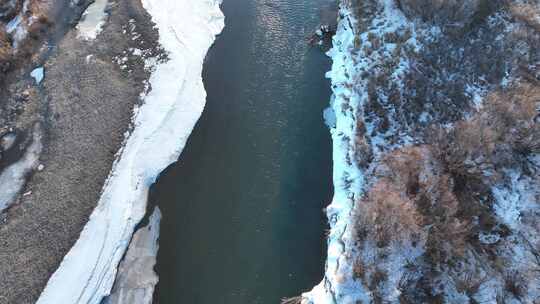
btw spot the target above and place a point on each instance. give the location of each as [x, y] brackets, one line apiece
[40, 12]
[527, 13]
[5, 50]
[8, 9]
[438, 196]
[411, 193]
[387, 214]
[444, 184]
[36, 19]
[506, 130]
[452, 13]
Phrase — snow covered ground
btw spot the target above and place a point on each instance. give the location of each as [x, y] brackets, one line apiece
[162, 125]
[338, 211]
[356, 58]
[338, 285]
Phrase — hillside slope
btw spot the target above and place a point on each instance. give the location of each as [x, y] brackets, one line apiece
[436, 153]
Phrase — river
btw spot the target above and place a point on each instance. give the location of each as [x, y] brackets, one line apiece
[242, 209]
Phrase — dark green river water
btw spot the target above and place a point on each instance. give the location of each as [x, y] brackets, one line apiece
[242, 209]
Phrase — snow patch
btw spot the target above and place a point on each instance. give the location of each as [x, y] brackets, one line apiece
[37, 74]
[93, 20]
[13, 178]
[515, 198]
[13, 24]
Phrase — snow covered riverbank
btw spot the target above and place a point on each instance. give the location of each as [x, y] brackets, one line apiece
[350, 94]
[338, 212]
[161, 127]
[405, 152]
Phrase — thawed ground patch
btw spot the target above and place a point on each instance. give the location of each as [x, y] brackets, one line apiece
[162, 125]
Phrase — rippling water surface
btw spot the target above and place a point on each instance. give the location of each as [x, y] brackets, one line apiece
[243, 219]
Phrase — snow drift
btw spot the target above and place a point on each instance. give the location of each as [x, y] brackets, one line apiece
[162, 125]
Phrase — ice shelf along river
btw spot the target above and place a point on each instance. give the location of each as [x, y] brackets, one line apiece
[242, 209]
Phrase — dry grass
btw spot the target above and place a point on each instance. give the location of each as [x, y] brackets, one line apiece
[515, 284]
[527, 13]
[444, 12]
[40, 11]
[386, 215]
[36, 20]
[412, 192]
[504, 132]
[5, 50]
[438, 195]
[378, 277]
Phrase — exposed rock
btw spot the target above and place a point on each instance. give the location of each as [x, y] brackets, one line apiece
[136, 278]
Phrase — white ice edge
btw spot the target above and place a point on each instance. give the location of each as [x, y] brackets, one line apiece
[338, 284]
[162, 125]
[338, 212]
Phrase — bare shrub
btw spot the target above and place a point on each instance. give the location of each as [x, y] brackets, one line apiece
[40, 11]
[378, 277]
[5, 50]
[413, 200]
[386, 215]
[359, 270]
[447, 241]
[527, 13]
[469, 281]
[514, 115]
[363, 154]
[515, 284]
[443, 12]
[506, 130]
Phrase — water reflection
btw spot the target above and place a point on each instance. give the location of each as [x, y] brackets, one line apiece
[243, 219]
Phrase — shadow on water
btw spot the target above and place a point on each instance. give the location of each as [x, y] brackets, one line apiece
[243, 220]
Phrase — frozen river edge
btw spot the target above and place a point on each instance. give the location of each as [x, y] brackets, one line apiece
[170, 111]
